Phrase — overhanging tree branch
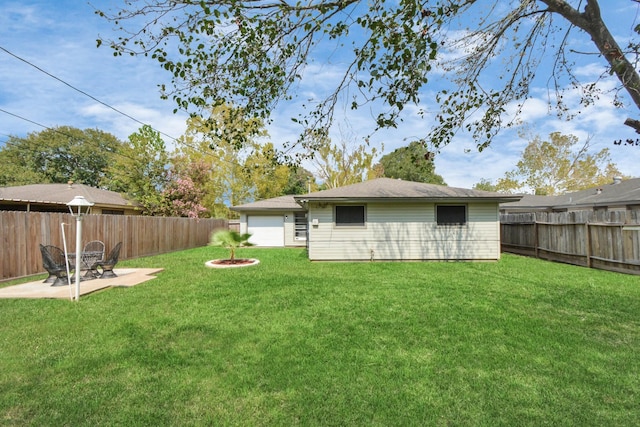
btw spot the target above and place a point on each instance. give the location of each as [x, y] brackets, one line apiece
[590, 21]
[252, 54]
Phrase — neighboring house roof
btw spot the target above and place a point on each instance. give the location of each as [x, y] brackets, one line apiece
[618, 193]
[282, 203]
[389, 189]
[58, 194]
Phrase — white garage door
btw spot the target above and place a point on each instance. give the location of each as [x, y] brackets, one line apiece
[266, 230]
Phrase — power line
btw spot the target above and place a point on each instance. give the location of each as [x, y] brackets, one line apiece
[56, 130]
[192, 146]
[24, 118]
[80, 91]
[35, 123]
[6, 140]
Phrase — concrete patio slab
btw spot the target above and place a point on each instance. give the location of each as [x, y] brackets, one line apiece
[127, 277]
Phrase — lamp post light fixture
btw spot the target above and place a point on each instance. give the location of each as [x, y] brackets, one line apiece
[79, 207]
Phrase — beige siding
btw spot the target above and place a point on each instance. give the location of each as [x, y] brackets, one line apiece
[243, 223]
[405, 231]
[290, 231]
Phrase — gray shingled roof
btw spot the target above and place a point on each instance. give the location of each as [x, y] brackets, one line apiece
[626, 192]
[58, 194]
[282, 203]
[396, 189]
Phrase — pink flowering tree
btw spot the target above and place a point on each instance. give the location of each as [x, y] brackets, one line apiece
[186, 190]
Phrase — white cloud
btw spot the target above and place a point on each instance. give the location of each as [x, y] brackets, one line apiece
[168, 124]
[592, 70]
[60, 38]
[532, 110]
[17, 16]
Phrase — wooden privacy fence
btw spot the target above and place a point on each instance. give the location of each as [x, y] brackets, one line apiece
[604, 240]
[22, 233]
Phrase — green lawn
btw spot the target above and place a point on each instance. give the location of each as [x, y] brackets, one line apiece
[290, 342]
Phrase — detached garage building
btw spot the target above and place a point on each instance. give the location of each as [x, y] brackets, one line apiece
[274, 222]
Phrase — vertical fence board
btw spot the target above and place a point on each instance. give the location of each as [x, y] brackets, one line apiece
[23, 232]
[598, 239]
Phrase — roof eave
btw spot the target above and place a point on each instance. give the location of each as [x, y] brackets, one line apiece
[596, 204]
[266, 209]
[303, 199]
[96, 204]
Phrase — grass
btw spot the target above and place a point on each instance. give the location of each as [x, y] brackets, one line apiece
[289, 342]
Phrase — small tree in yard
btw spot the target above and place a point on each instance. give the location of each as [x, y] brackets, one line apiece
[230, 239]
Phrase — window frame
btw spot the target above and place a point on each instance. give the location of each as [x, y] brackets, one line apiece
[456, 215]
[350, 224]
[300, 224]
[112, 211]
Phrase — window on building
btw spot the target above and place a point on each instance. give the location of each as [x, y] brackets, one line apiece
[451, 214]
[352, 215]
[300, 223]
[112, 212]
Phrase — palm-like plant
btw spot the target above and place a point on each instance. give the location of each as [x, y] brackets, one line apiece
[231, 240]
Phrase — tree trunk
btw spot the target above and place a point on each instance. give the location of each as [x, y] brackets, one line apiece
[591, 22]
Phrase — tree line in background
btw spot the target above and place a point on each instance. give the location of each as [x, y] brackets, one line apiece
[220, 161]
[394, 47]
[488, 57]
[561, 164]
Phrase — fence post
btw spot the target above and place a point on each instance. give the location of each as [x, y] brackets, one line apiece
[588, 243]
[535, 236]
[22, 232]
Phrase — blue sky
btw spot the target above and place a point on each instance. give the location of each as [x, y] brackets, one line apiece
[59, 37]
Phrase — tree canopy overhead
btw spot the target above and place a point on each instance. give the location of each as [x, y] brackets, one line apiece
[253, 54]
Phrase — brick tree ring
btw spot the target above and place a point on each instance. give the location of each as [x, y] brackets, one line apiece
[227, 263]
